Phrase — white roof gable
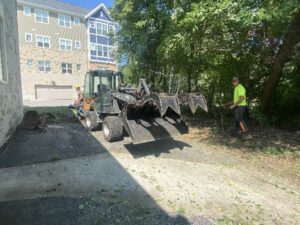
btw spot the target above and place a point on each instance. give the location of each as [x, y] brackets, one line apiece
[101, 6]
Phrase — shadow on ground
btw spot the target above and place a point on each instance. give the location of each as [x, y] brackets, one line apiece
[88, 190]
[268, 140]
[156, 148]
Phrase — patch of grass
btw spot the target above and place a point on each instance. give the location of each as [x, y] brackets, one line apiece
[276, 150]
[297, 154]
[55, 158]
[181, 211]
[225, 221]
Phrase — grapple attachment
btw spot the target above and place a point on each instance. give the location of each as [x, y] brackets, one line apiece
[156, 117]
[194, 101]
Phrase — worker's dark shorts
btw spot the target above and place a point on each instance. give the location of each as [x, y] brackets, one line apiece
[239, 112]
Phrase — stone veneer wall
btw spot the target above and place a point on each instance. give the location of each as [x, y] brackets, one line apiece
[11, 106]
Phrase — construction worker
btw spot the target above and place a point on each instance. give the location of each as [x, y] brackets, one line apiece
[239, 106]
[80, 99]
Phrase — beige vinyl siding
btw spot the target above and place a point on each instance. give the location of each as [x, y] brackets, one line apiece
[27, 24]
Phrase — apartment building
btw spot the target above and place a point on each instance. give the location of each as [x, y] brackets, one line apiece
[59, 43]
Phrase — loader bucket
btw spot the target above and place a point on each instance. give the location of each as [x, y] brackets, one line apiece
[194, 101]
[197, 100]
[153, 119]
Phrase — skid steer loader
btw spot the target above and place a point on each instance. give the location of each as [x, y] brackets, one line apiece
[144, 115]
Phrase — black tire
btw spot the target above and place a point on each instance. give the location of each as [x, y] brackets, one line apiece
[91, 121]
[112, 129]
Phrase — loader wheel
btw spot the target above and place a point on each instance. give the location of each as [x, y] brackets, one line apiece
[112, 129]
[91, 121]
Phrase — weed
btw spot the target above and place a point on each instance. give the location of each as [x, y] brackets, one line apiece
[181, 211]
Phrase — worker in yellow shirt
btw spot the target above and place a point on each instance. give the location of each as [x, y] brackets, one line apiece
[239, 106]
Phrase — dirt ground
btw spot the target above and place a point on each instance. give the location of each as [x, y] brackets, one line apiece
[204, 177]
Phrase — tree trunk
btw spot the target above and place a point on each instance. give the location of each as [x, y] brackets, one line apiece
[291, 39]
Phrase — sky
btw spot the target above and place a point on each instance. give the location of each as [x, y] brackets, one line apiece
[90, 3]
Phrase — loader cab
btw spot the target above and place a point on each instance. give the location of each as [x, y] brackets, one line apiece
[100, 82]
[99, 85]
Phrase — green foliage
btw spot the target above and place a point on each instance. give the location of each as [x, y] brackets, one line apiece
[194, 45]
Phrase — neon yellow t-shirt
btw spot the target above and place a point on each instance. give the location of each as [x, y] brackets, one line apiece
[238, 92]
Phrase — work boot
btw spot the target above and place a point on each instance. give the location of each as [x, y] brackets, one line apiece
[246, 137]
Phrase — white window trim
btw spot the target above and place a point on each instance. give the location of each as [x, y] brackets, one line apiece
[76, 18]
[79, 45]
[36, 16]
[4, 54]
[36, 40]
[26, 38]
[44, 71]
[58, 20]
[92, 24]
[64, 39]
[26, 7]
[103, 35]
[66, 68]
[99, 56]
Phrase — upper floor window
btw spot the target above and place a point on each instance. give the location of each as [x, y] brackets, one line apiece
[101, 28]
[41, 16]
[111, 29]
[66, 68]
[43, 41]
[27, 11]
[28, 37]
[92, 24]
[64, 21]
[77, 44]
[44, 66]
[3, 72]
[76, 21]
[65, 44]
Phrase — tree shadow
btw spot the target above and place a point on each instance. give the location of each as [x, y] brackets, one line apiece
[265, 139]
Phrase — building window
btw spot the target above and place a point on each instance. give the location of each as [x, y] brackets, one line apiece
[44, 66]
[43, 41]
[111, 29]
[77, 44]
[64, 21]
[28, 37]
[103, 51]
[76, 21]
[78, 66]
[92, 24]
[65, 44]
[111, 53]
[93, 47]
[3, 71]
[66, 68]
[41, 16]
[101, 29]
[27, 11]
[29, 63]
